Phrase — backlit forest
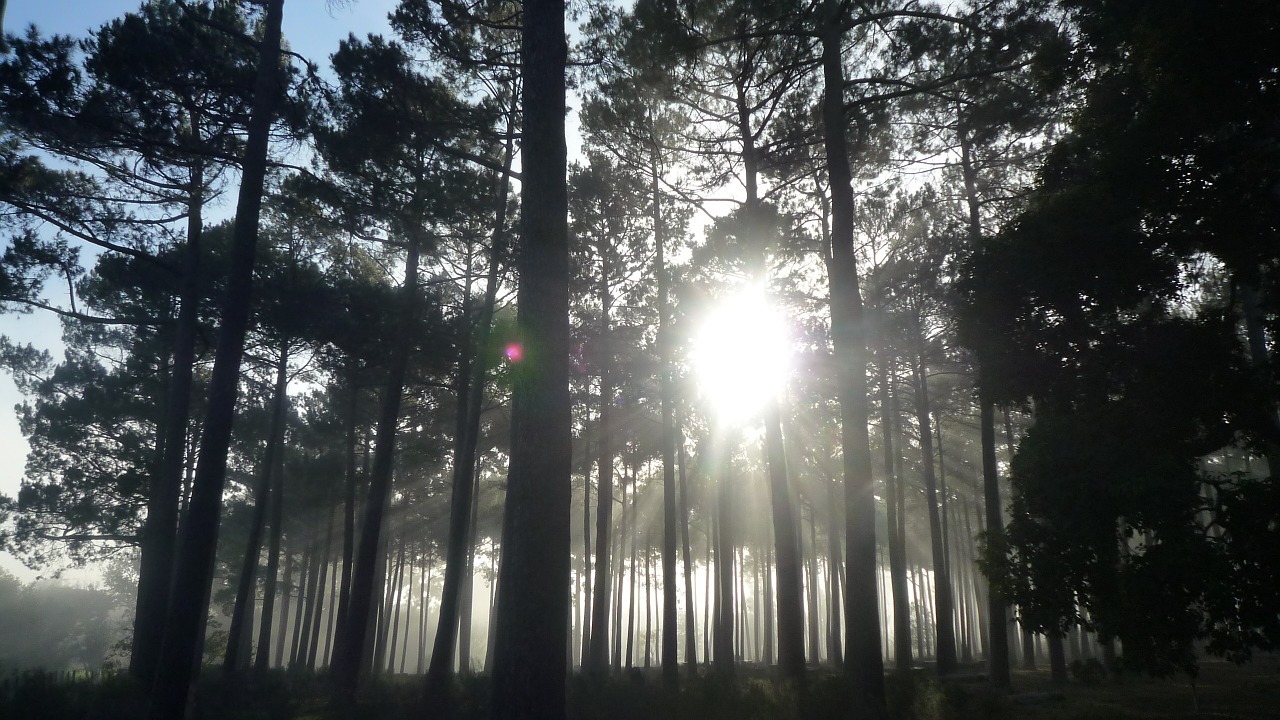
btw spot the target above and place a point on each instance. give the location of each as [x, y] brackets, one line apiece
[676, 358]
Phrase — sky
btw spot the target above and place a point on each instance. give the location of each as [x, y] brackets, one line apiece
[312, 28]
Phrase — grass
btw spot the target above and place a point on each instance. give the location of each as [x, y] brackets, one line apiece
[1222, 692]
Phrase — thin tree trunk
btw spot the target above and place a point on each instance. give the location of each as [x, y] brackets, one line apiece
[314, 585]
[690, 622]
[769, 635]
[897, 552]
[811, 559]
[313, 646]
[586, 606]
[263, 660]
[304, 577]
[723, 660]
[469, 583]
[349, 646]
[670, 657]
[470, 385]
[397, 600]
[834, 561]
[287, 588]
[998, 630]
[246, 589]
[194, 567]
[160, 530]
[348, 508]
[631, 585]
[944, 632]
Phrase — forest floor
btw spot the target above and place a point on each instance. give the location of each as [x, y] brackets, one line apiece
[1222, 692]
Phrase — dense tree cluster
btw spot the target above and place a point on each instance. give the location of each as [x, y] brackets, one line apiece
[432, 394]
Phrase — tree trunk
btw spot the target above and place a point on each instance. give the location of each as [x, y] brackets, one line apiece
[944, 632]
[160, 530]
[620, 576]
[348, 509]
[397, 601]
[834, 561]
[587, 607]
[470, 392]
[314, 590]
[723, 660]
[864, 665]
[348, 647]
[690, 621]
[811, 559]
[242, 613]
[631, 575]
[193, 574]
[598, 662]
[1057, 659]
[304, 577]
[529, 673]
[263, 660]
[670, 656]
[897, 553]
[469, 585]
[998, 631]
[287, 588]
[314, 644]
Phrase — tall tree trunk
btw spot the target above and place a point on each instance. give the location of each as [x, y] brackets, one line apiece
[648, 601]
[790, 573]
[395, 597]
[242, 612]
[834, 561]
[769, 635]
[287, 590]
[945, 631]
[670, 657]
[304, 577]
[408, 614]
[470, 392]
[315, 588]
[262, 661]
[469, 585]
[193, 570]
[723, 660]
[160, 530]
[690, 621]
[620, 576]
[348, 506]
[325, 554]
[587, 607]
[529, 673]
[864, 665]
[998, 650]
[631, 575]
[811, 559]
[707, 594]
[897, 552]
[598, 662]
[349, 646]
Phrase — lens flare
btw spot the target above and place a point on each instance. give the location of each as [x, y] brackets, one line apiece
[514, 352]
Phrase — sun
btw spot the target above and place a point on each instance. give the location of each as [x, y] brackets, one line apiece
[741, 355]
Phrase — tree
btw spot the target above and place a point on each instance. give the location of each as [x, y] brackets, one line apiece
[533, 605]
[194, 572]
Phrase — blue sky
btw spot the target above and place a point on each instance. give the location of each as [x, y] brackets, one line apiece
[312, 28]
